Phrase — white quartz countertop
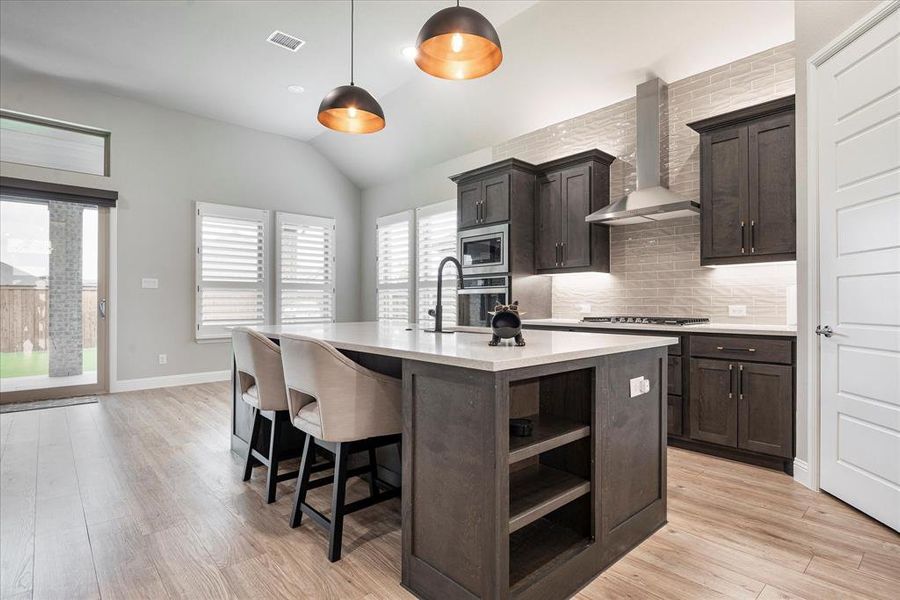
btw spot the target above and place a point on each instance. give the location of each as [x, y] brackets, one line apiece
[467, 349]
[735, 328]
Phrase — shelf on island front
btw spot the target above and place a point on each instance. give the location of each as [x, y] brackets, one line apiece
[549, 432]
[537, 490]
[539, 548]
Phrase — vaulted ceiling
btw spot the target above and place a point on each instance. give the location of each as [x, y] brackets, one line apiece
[561, 59]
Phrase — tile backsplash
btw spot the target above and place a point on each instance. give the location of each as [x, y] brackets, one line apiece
[656, 266]
[655, 270]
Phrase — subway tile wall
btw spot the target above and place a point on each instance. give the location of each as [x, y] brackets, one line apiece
[656, 266]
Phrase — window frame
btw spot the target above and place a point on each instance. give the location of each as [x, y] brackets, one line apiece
[412, 217]
[66, 126]
[409, 217]
[231, 212]
[421, 213]
[299, 219]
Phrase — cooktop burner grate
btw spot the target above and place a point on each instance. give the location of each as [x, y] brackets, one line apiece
[647, 320]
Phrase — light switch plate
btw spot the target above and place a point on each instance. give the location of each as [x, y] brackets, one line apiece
[638, 385]
[149, 283]
[737, 310]
[163, 359]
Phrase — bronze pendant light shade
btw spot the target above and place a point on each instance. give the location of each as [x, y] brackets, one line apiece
[458, 43]
[348, 108]
[351, 109]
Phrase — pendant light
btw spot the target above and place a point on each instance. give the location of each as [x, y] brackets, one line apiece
[458, 43]
[348, 108]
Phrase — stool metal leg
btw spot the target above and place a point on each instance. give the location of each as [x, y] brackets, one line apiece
[373, 473]
[309, 457]
[274, 450]
[254, 436]
[337, 502]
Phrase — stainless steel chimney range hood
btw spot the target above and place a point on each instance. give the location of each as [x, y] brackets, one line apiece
[651, 201]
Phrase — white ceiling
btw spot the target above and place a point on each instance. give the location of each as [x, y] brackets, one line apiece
[561, 59]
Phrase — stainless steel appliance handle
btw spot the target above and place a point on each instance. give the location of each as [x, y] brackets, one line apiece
[484, 290]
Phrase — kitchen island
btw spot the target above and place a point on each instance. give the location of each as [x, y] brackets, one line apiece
[488, 515]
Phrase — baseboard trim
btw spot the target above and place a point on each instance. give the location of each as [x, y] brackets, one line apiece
[149, 383]
[801, 473]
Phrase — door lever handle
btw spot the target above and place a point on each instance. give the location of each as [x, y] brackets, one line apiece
[101, 307]
[827, 331]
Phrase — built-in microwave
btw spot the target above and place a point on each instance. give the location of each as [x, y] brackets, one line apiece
[484, 250]
[479, 296]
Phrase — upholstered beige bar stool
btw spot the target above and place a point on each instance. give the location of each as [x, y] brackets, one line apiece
[341, 404]
[259, 374]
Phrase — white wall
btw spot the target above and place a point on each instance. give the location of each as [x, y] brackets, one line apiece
[816, 23]
[162, 162]
[423, 187]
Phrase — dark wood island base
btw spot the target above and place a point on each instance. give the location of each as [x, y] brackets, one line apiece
[490, 516]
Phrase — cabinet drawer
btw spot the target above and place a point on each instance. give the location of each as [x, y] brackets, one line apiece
[752, 349]
[674, 426]
[674, 375]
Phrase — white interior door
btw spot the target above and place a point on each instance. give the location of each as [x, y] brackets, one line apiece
[858, 108]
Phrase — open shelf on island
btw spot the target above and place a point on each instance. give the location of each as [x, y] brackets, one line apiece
[550, 432]
[537, 490]
[539, 548]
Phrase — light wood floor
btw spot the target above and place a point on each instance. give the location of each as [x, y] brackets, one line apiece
[139, 496]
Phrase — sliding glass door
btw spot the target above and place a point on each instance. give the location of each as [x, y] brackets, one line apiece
[53, 290]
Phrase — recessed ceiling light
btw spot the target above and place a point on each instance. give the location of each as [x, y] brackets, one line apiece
[295, 89]
[410, 52]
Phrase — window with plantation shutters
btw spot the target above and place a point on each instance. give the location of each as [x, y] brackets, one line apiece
[435, 239]
[393, 265]
[230, 268]
[305, 269]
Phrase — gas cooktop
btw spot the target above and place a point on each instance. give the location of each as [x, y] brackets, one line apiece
[647, 320]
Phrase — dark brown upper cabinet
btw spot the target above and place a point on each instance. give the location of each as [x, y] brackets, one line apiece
[748, 185]
[568, 190]
[490, 194]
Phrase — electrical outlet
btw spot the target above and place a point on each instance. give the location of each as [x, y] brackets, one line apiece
[639, 385]
[737, 310]
[584, 308]
[163, 359]
[149, 283]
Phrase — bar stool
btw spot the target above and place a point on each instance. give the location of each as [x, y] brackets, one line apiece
[341, 404]
[258, 365]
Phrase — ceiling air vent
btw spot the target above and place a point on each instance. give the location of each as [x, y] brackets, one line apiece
[283, 40]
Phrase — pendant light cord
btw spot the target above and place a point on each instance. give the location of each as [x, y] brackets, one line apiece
[351, 41]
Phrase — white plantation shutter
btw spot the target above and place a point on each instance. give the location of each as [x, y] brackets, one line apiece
[305, 269]
[230, 268]
[435, 239]
[393, 265]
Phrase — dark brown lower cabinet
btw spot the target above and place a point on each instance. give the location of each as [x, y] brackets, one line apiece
[743, 405]
[765, 416]
[714, 409]
[673, 422]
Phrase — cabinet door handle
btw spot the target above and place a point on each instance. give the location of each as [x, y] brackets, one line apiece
[740, 382]
[730, 381]
[562, 247]
[478, 212]
[752, 237]
[742, 237]
[727, 349]
[556, 249]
